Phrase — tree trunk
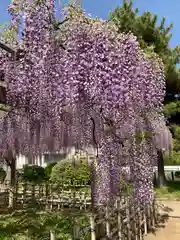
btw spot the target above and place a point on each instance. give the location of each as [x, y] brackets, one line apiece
[12, 192]
[161, 180]
[13, 172]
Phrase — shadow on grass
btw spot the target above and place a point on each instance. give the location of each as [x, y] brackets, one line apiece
[171, 190]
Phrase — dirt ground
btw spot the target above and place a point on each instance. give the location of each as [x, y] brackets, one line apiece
[170, 229]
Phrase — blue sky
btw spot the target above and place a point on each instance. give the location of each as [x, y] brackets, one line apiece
[101, 8]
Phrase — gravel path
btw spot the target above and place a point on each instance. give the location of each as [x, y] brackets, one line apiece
[170, 230]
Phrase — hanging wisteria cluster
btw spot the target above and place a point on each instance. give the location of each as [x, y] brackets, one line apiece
[84, 84]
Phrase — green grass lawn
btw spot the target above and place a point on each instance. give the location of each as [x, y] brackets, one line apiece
[171, 191]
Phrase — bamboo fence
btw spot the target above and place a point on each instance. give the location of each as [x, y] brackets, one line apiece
[122, 221]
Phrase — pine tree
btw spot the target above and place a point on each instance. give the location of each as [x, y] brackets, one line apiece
[155, 38]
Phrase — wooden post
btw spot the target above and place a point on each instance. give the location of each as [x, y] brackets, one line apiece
[152, 216]
[33, 198]
[11, 197]
[92, 224]
[128, 219]
[145, 222]
[16, 187]
[73, 198]
[75, 232]
[39, 190]
[51, 198]
[135, 223]
[155, 212]
[139, 217]
[24, 188]
[46, 190]
[108, 231]
[119, 222]
[149, 217]
[52, 235]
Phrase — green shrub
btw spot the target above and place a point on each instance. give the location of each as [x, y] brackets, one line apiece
[67, 172]
[2, 175]
[39, 224]
[48, 170]
[34, 174]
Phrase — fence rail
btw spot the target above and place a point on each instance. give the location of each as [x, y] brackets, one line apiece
[125, 221]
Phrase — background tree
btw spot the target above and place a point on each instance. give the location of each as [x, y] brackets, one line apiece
[154, 38]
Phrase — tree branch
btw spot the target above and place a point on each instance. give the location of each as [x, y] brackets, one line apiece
[9, 163]
[4, 109]
[94, 135]
[112, 128]
[94, 128]
[7, 49]
[57, 25]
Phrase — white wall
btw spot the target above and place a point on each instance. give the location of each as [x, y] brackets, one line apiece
[49, 158]
[21, 160]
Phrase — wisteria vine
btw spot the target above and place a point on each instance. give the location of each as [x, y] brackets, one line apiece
[84, 84]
